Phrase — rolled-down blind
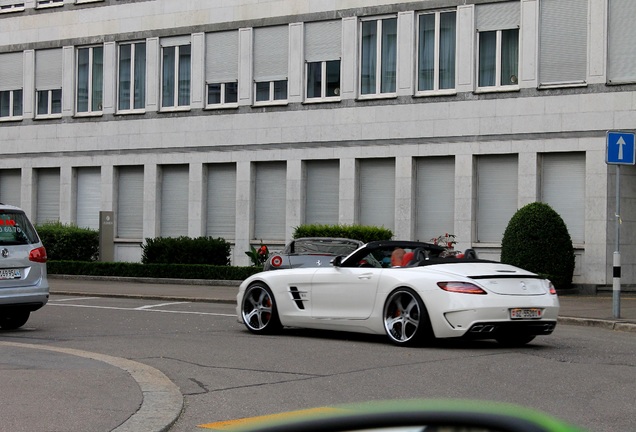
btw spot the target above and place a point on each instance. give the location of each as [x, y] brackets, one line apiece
[622, 35]
[498, 16]
[10, 187]
[323, 192]
[221, 57]
[89, 197]
[11, 71]
[48, 195]
[221, 202]
[174, 200]
[175, 41]
[563, 188]
[497, 179]
[270, 200]
[563, 41]
[377, 192]
[130, 202]
[434, 197]
[323, 41]
[48, 69]
[271, 50]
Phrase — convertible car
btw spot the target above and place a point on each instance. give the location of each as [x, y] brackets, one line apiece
[311, 252]
[430, 296]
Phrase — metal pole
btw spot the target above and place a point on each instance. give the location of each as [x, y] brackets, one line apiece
[616, 291]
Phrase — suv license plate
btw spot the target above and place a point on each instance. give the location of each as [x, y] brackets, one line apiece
[522, 313]
[9, 274]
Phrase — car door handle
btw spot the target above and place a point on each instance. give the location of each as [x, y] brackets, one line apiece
[365, 276]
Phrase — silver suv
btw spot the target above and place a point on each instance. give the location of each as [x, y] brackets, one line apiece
[23, 284]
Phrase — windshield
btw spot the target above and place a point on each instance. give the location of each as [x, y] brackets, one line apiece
[15, 229]
[322, 246]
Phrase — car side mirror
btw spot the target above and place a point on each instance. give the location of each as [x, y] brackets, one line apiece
[337, 261]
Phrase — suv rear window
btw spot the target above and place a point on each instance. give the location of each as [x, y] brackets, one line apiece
[15, 229]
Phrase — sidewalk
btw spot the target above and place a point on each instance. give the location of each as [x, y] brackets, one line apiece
[576, 309]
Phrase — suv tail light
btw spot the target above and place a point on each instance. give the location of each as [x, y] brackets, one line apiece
[38, 255]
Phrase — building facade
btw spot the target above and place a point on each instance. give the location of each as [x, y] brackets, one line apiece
[243, 119]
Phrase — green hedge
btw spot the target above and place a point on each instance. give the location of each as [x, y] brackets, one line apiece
[357, 232]
[186, 250]
[176, 271]
[69, 242]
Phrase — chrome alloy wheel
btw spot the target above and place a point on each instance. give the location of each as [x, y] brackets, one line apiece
[259, 310]
[403, 313]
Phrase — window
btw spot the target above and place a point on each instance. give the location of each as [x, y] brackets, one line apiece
[88, 198]
[498, 44]
[48, 83]
[436, 51]
[48, 195]
[11, 187]
[176, 72]
[271, 50]
[132, 77]
[434, 197]
[11, 82]
[378, 64]
[221, 201]
[90, 80]
[49, 3]
[563, 188]
[621, 47]
[322, 56]
[563, 42]
[270, 193]
[221, 69]
[130, 202]
[497, 179]
[377, 192]
[174, 200]
[322, 192]
[11, 6]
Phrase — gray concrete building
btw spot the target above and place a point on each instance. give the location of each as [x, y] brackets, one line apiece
[243, 119]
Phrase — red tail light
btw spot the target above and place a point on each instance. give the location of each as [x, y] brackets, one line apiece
[276, 261]
[461, 287]
[552, 288]
[38, 255]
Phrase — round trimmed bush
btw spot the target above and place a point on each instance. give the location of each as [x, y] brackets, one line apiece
[537, 239]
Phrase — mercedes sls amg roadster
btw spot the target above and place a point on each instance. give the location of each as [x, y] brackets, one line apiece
[429, 296]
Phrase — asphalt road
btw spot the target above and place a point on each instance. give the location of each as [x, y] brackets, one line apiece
[580, 374]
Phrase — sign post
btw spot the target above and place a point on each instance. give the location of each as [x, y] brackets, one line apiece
[621, 150]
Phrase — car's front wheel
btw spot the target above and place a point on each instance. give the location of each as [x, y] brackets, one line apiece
[406, 320]
[259, 310]
[14, 320]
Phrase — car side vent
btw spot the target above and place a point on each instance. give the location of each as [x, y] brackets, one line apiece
[296, 297]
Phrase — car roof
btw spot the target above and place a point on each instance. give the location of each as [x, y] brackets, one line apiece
[9, 207]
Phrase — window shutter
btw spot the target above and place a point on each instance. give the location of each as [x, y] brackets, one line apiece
[48, 69]
[271, 47]
[89, 197]
[434, 197]
[563, 41]
[377, 192]
[11, 68]
[322, 192]
[221, 57]
[498, 16]
[563, 188]
[174, 200]
[323, 41]
[175, 41]
[10, 187]
[130, 202]
[48, 195]
[270, 201]
[497, 192]
[621, 35]
[221, 201]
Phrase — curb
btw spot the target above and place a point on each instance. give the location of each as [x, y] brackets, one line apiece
[162, 401]
[145, 296]
[599, 323]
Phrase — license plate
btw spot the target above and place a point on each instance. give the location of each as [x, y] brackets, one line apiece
[9, 274]
[525, 313]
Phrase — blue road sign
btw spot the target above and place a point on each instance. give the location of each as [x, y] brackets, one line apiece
[620, 148]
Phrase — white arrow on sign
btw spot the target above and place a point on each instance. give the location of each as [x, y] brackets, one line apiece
[620, 143]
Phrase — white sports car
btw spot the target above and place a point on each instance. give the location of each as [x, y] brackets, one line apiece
[430, 296]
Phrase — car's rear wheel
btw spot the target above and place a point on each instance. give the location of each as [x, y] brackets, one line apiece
[14, 320]
[514, 340]
[259, 310]
[406, 320]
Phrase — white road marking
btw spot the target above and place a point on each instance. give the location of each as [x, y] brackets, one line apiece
[72, 299]
[144, 310]
[159, 305]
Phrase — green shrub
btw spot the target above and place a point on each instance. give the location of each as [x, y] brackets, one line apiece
[186, 250]
[357, 232]
[537, 239]
[69, 242]
[175, 271]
